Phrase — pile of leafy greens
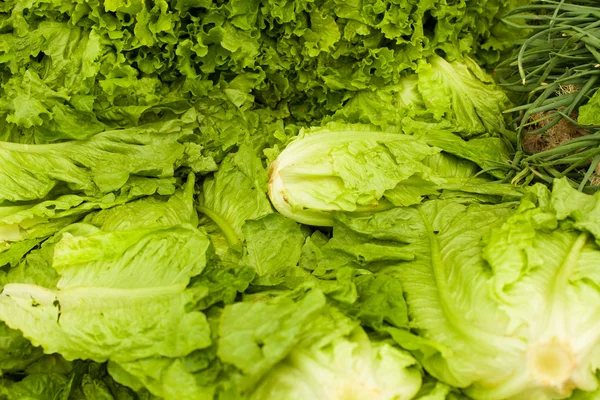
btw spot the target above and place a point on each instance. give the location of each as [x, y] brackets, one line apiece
[297, 199]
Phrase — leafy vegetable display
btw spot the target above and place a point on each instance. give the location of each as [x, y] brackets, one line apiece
[502, 293]
[73, 68]
[457, 95]
[297, 199]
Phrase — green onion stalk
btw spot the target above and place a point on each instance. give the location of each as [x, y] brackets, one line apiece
[551, 74]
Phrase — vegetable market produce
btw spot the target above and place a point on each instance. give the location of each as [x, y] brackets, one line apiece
[501, 295]
[297, 199]
[555, 71]
[75, 68]
[458, 96]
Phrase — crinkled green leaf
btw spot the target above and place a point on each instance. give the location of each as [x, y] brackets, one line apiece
[16, 353]
[500, 295]
[89, 322]
[254, 336]
[100, 165]
[273, 244]
[142, 258]
[359, 168]
[236, 193]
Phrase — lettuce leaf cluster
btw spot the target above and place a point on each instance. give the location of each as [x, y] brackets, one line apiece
[71, 69]
[292, 199]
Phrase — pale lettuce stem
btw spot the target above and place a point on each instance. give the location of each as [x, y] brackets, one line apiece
[225, 227]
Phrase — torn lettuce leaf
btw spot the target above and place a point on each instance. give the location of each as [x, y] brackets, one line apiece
[88, 322]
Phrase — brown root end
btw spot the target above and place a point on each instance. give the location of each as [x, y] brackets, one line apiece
[561, 132]
[534, 143]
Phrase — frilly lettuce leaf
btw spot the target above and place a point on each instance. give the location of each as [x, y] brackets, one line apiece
[112, 64]
[457, 96]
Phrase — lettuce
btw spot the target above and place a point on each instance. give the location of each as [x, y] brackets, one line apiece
[73, 70]
[106, 279]
[54, 377]
[289, 345]
[241, 175]
[458, 96]
[142, 256]
[357, 168]
[346, 367]
[104, 265]
[100, 165]
[499, 294]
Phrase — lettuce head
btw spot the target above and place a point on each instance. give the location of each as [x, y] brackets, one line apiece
[360, 168]
[505, 295]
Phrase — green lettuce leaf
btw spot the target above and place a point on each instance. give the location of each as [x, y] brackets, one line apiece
[462, 93]
[105, 291]
[88, 322]
[16, 353]
[588, 113]
[24, 227]
[286, 345]
[100, 165]
[236, 193]
[131, 259]
[345, 367]
[150, 211]
[454, 95]
[273, 245]
[52, 377]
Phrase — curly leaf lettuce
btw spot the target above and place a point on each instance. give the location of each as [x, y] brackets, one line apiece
[458, 96]
[112, 64]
